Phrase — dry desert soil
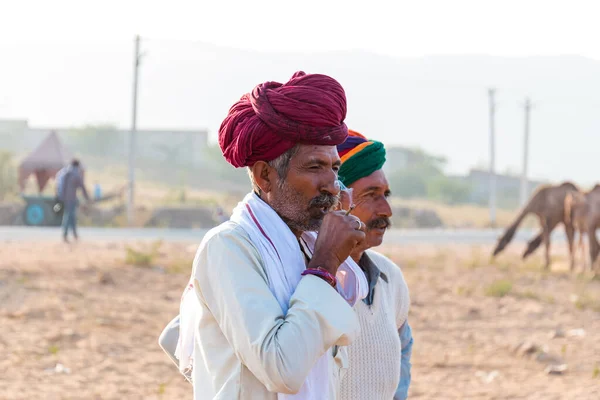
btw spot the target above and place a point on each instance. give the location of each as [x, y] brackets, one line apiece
[81, 321]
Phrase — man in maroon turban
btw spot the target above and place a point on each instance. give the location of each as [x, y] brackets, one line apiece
[268, 310]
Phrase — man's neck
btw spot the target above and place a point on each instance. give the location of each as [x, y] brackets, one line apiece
[358, 252]
[357, 255]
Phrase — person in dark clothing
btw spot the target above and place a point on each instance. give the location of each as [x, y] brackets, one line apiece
[73, 181]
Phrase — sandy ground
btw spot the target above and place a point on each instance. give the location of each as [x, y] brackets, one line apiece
[78, 322]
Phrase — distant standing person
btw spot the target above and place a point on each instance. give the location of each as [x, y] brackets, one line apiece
[72, 182]
[97, 191]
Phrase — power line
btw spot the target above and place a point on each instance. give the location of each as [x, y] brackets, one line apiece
[524, 183]
[492, 200]
[132, 133]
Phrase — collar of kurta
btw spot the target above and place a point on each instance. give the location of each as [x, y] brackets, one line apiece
[373, 274]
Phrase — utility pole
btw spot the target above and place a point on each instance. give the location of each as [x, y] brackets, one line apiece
[132, 133]
[492, 204]
[524, 182]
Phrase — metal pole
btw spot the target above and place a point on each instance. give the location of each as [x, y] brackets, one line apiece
[524, 182]
[132, 132]
[491, 93]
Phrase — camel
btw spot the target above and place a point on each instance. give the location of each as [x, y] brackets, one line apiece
[548, 203]
[582, 210]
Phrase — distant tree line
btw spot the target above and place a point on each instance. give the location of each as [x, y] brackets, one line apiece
[423, 178]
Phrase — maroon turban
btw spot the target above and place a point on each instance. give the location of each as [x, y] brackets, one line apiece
[264, 124]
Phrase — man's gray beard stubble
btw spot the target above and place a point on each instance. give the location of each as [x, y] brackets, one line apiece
[286, 205]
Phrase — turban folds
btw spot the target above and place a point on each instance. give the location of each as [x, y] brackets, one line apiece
[264, 124]
[360, 157]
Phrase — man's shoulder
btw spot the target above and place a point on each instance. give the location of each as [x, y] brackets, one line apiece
[228, 234]
[229, 246]
[227, 238]
[386, 265]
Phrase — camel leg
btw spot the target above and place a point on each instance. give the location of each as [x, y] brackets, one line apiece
[548, 226]
[583, 257]
[547, 248]
[594, 247]
[570, 231]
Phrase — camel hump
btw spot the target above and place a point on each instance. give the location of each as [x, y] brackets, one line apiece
[569, 185]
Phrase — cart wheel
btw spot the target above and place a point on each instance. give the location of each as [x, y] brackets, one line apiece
[35, 214]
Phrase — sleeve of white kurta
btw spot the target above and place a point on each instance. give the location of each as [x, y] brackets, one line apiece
[278, 349]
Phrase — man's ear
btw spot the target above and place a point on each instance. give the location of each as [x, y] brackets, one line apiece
[261, 172]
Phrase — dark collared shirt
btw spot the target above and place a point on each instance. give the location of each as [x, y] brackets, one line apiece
[373, 274]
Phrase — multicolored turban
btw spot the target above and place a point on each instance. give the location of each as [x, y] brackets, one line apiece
[360, 157]
[264, 124]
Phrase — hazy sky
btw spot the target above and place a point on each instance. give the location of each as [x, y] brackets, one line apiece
[401, 28]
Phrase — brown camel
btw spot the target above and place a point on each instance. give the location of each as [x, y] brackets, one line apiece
[548, 203]
[583, 211]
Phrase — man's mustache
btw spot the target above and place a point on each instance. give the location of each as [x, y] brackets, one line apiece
[379, 223]
[324, 200]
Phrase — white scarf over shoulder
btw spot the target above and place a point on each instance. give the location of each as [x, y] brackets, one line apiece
[284, 262]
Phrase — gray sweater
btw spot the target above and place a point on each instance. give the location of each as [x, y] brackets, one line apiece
[73, 181]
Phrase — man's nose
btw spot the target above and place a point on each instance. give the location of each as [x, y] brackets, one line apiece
[385, 209]
[331, 184]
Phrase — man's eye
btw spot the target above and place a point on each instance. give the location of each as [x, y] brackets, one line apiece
[336, 169]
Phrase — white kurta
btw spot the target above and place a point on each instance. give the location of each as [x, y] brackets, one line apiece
[246, 348]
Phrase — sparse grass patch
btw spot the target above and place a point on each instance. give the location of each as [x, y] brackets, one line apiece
[528, 294]
[504, 265]
[585, 278]
[477, 259]
[53, 349]
[550, 299]
[162, 389]
[471, 349]
[585, 301]
[464, 291]
[179, 266]
[141, 258]
[531, 264]
[499, 288]
[596, 372]
[138, 258]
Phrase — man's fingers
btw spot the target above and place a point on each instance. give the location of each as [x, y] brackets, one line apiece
[356, 223]
[360, 236]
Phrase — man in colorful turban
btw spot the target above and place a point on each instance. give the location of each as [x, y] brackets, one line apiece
[267, 312]
[379, 359]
